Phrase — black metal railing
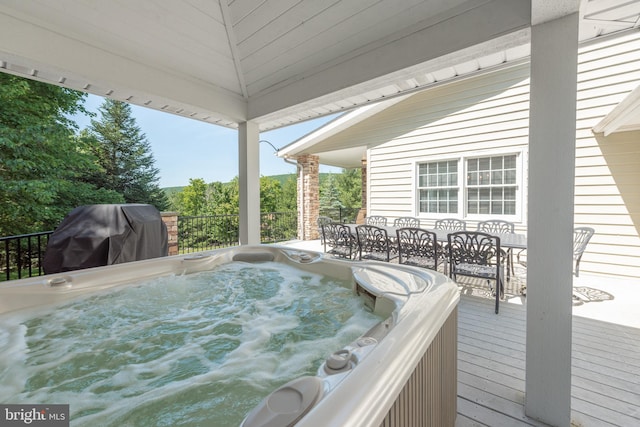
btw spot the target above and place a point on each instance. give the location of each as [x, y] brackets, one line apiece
[201, 233]
[340, 214]
[21, 256]
[278, 226]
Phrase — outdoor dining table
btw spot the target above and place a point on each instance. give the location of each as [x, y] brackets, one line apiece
[507, 240]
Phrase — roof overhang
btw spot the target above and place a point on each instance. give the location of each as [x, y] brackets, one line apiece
[350, 155]
[273, 62]
[624, 117]
[342, 144]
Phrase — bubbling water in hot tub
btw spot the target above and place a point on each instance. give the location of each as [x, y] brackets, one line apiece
[198, 349]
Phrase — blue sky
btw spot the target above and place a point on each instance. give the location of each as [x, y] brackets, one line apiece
[185, 148]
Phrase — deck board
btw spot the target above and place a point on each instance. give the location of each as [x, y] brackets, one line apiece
[485, 416]
[491, 368]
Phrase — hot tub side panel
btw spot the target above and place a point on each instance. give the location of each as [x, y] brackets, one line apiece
[429, 398]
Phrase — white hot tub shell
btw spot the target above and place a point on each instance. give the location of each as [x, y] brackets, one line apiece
[402, 372]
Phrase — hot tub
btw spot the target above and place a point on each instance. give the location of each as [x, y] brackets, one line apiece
[401, 371]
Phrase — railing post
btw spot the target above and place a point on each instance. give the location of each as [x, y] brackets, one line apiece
[8, 263]
[19, 259]
[29, 252]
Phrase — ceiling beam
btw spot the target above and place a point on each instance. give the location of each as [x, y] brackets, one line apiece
[233, 45]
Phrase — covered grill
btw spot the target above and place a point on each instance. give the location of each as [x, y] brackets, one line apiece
[98, 235]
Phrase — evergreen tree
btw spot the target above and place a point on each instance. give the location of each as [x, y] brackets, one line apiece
[349, 184]
[329, 195]
[125, 156]
[42, 161]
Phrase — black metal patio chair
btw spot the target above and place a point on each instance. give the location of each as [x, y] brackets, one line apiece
[406, 221]
[374, 243]
[581, 237]
[375, 220]
[418, 247]
[339, 241]
[498, 226]
[323, 220]
[452, 224]
[477, 254]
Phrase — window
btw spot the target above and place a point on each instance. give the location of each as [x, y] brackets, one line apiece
[438, 187]
[491, 185]
[486, 185]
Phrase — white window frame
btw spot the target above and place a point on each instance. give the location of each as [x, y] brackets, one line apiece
[418, 188]
[462, 158]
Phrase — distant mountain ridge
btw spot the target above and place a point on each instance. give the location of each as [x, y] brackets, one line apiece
[280, 178]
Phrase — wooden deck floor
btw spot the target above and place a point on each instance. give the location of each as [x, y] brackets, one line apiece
[491, 369]
[491, 356]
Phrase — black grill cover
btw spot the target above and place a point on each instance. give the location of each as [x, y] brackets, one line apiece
[97, 235]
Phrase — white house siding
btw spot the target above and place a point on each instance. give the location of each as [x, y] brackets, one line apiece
[490, 112]
[607, 196]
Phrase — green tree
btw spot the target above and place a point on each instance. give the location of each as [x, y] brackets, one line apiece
[224, 198]
[125, 156]
[43, 162]
[175, 201]
[329, 194]
[341, 194]
[193, 197]
[349, 184]
[289, 200]
[270, 194]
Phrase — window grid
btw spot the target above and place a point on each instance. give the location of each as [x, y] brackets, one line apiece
[489, 188]
[491, 185]
[438, 187]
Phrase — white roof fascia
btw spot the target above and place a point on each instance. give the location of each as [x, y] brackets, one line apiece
[337, 125]
[624, 117]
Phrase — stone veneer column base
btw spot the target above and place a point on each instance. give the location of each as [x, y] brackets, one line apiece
[170, 219]
[309, 188]
[362, 213]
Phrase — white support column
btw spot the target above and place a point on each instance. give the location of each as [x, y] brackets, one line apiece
[552, 140]
[249, 180]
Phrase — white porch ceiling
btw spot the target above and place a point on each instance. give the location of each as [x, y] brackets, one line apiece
[275, 62]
